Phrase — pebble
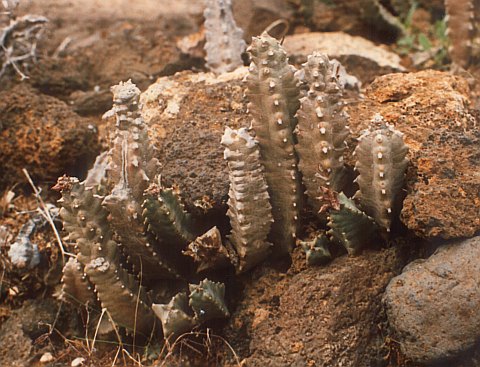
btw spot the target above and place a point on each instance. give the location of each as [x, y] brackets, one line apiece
[77, 362]
[46, 358]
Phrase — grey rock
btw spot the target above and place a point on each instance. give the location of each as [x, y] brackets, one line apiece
[432, 306]
[360, 56]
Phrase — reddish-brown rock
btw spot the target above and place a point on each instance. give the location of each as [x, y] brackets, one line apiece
[443, 185]
[315, 316]
[187, 114]
[43, 135]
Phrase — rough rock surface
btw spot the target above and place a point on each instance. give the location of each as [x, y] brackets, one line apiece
[360, 56]
[356, 17]
[433, 305]
[253, 16]
[41, 133]
[316, 316]
[22, 327]
[15, 346]
[107, 54]
[187, 114]
[432, 109]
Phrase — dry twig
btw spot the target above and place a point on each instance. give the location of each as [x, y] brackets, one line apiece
[45, 211]
[18, 43]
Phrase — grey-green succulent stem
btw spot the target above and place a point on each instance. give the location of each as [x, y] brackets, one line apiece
[132, 163]
[86, 220]
[224, 40]
[131, 168]
[322, 129]
[462, 29]
[176, 316]
[249, 208]
[381, 163]
[76, 288]
[349, 226]
[273, 94]
[207, 299]
[165, 216]
[316, 250]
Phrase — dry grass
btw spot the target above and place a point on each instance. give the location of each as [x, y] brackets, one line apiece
[45, 211]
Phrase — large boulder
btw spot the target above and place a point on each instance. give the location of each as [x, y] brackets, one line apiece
[443, 185]
[432, 306]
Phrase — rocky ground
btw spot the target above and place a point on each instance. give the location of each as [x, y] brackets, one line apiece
[409, 301]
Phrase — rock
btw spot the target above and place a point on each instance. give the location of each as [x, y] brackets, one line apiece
[77, 362]
[187, 114]
[326, 316]
[61, 76]
[254, 16]
[25, 325]
[327, 17]
[432, 306]
[443, 185]
[15, 346]
[193, 44]
[91, 102]
[360, 56]
[42, 134]
[107, 54]
[46, 358]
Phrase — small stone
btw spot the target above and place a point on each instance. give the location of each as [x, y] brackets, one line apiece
[46, 358]
[77, 362]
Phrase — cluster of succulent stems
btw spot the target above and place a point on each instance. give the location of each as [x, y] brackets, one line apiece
[142, 256]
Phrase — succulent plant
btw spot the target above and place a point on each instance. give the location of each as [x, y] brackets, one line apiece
[319, 139]
[274, 99]
[129, 231]
[322, 129]
[463, 19]
[137, 245]
[224, 40]
[249, 208]
[316, 250]
[205, 302]
[381, 163]
[349, 226]
[176, 317]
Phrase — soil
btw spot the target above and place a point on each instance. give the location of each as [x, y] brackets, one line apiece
[283, 313]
